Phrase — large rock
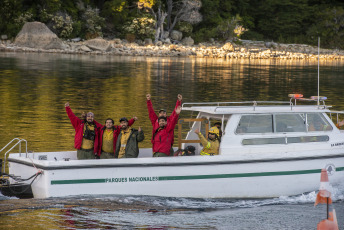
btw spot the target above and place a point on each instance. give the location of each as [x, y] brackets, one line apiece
[188, 41]
[228, 47]
[98, 44]
[38, 35]
[176, 35]
[148, 42]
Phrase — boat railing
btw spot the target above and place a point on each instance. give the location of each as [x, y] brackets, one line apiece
[18, 142]
[181, 121]
[335, 113]
[252, 104]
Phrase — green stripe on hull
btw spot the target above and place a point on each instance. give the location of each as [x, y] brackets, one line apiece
[194, 177]
[88, 181]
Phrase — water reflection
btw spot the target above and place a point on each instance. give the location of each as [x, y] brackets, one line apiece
[34, 88]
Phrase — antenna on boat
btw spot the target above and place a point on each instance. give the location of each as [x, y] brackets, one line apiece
[318, 70]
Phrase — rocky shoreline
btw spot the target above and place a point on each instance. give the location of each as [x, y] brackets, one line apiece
[36, 37]
[246, 50]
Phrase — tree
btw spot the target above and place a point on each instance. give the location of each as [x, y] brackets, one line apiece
[174, 11]
[185, 10]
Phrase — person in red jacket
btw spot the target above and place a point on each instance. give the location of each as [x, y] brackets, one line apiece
[108, 135]
[162, 141]
[86, 134]
[162, 113]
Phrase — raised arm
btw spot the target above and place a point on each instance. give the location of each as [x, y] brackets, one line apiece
[132, 121]
[173, 119]
[140, 135]
[73, 119]
[152, 116]
[204, 141]
[178, 103]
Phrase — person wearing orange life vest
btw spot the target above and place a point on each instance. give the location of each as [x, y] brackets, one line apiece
[210, 146]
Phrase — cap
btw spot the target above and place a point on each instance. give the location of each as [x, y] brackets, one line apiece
[162, 110]
[90, 114]
[123, 119]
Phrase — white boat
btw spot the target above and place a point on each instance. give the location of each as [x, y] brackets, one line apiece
[268, 149]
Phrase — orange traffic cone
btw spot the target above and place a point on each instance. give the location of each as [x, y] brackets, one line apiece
[324, 197]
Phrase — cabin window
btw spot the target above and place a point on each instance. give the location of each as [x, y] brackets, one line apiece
[308, 139]
[290, 123]
[316, 122]
[255, 124]
[282, 140]
[263, 141]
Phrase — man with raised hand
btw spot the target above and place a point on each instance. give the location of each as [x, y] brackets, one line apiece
[161, 137]
[86, 134]
[162, 113]
[108, 135]
[127, 141]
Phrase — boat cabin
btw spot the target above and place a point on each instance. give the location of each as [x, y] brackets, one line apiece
[262, 127]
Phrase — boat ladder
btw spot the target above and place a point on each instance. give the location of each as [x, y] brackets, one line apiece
[15, 142]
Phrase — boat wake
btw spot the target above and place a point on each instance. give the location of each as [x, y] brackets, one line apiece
[198, 203]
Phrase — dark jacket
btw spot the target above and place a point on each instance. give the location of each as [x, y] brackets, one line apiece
[132, 147]
[116, 131]
[78, 125]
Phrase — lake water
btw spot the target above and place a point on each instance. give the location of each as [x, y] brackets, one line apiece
[35, 87]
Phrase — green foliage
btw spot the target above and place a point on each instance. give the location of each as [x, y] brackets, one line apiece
[63, 25]
[77, 30]
[278, 19]
[204, 34]
[231, 28]
[116, 12]
[93, 23]
[288, 21]
[10, 10]
[329, 27]
[184, 27]
[141, 27]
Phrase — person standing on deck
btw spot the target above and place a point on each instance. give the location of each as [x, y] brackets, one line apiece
[162, 140]
[108, 135]
[127, 141]
[210, 146]
[162, 113]
[86, 134]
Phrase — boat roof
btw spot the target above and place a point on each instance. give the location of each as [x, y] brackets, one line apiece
[253, 107]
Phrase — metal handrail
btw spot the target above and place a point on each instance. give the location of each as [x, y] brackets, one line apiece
[19, 141]
[224, 104]
[336, 112]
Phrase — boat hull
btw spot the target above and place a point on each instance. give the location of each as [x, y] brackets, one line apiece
[195, 176]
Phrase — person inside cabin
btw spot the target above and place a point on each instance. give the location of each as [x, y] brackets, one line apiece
[127, 141]
[162, 113]
[162, 140]
[316, 124]
[218, 125]
[210, 146]
[108, 138]
[340, 124]
[86, 134]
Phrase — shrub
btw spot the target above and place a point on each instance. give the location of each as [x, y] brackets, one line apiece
[93, 23]
[63, 25]
[230, 28]
[141, 27]
[184, 27]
